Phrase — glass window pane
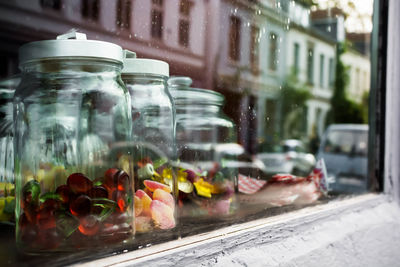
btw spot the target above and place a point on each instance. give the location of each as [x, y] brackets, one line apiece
[293, 78]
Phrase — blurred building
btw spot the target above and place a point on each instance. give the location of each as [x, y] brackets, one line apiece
[151, 28]
[245, 49]
[311, 59]
[356, 57]
[249, 68]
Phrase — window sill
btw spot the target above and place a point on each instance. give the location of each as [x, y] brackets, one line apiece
[279, 239]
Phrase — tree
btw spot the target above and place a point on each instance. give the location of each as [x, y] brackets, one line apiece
[294, 97]
[343, 110]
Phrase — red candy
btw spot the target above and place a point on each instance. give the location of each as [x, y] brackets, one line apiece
[98, 192]
[64, 192]
[89, 225]
[78, 214]
[109, 179]
[46, 219]
[79, 183]
[80, 206]
[121, 199]
[123, 181]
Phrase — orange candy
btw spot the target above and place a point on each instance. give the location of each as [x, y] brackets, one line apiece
[153, 185]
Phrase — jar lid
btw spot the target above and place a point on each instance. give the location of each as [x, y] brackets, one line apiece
[183, 94]
[180, 81]
[71, 44]
[133, 65]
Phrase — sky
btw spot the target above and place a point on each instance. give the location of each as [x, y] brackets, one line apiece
[360, 17]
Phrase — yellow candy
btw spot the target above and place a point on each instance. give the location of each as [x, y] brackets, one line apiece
[181, 175]
[203, 188]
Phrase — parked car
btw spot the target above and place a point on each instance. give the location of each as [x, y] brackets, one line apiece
[344, 148]
[289, 156]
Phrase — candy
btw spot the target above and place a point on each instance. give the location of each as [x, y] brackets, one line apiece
[89, 225]
[146, 171]
[98, 192]
[148, 192]
[79, 183]
[30, 193]
[64, 192]
[51, 204]
[77, 211]
[164, 197]
[46, 218]
[143, 224]
[80, 206]
[184, 186]
[152, 185]
[162, 215]
[66, 224]
[109, 181]
[146, 201]
[203, 189]
[122, 200]
[222, 206]
[138, 205]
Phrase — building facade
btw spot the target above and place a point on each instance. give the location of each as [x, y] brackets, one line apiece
[247, 50]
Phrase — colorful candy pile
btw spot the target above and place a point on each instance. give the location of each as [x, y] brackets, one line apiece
[154, 207]
[77, 213]
[210, 192]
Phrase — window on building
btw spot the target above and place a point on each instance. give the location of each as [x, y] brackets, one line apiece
[296, 59]
[157, 19]
[357, 81]
[124, 14]
[331, 73]
[273, 52]
[90, 9]
[321, 70]
[184, 22]
[254, 50]
[53, 4]
[310, 65]
[184, 7]
[234, 38]
[184, 28]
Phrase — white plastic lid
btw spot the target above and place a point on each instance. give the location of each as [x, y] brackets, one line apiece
[133, 65]
[71, 44]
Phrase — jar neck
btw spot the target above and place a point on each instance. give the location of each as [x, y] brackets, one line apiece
[144, 79]
[75, 67]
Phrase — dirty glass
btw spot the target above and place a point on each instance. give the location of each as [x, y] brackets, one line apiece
[294, 76]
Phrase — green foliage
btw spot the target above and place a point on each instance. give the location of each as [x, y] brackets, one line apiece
[307, 3]
[294, 95]
[293, 98]
[343, 110]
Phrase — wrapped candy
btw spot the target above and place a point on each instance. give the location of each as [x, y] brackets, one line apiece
[287, 189]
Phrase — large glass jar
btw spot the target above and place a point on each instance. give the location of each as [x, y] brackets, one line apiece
[7, 199]
[72, 121]
[153, 137]
[206, 144]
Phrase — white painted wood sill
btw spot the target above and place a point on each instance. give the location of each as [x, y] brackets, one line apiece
[297, 238]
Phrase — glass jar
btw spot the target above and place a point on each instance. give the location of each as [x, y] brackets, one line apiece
[206, 144]
[153, 136]
[72, 121]
[7, 198]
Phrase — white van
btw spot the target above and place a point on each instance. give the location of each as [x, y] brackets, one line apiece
[344, 148]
